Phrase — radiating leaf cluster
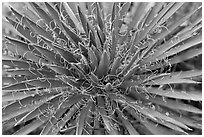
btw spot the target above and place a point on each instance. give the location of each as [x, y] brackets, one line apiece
[82, 70]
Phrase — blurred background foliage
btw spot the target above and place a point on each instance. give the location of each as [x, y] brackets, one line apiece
[193, 63]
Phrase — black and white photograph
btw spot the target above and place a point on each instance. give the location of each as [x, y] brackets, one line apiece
[101, 68]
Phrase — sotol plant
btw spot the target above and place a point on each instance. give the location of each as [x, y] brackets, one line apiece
[80, 70]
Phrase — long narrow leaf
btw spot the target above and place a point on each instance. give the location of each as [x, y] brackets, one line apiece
[57, 127]
[72, 16]
[46, 17]
[17, 96]
[24, 31]
[81, 119]
[47, 107]
[127, 124]
[177, 105]
[103, 65]
[63, 52]
[74, 37]
[32, 126]
[187, 44]
[192, 95]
